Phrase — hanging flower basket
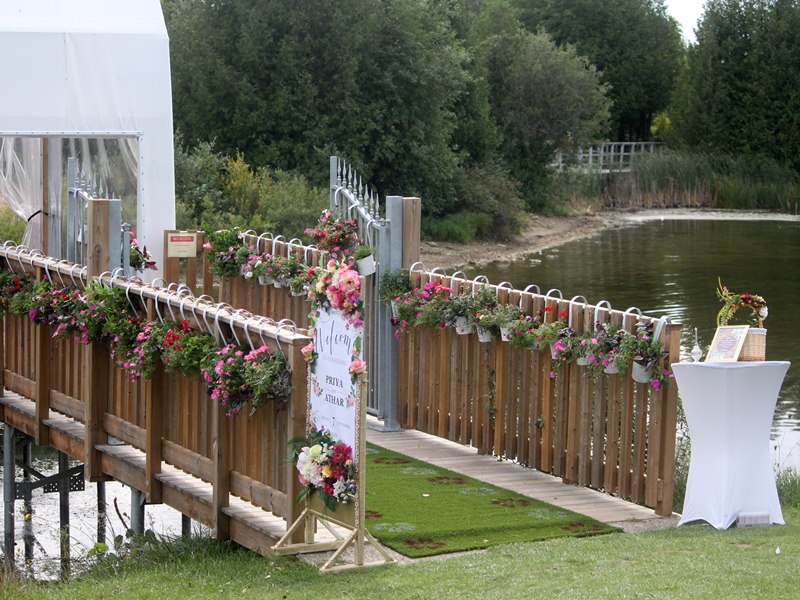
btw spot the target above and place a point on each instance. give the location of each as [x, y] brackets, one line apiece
[463, 327]
[582, 361]
[485, 335]
[366, 265]
[610, 369]
[505, 334]
[393, 304]
[640, 373]
[266, 280]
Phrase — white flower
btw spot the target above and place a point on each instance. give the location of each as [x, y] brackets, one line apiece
[763, 312]
[339, 488]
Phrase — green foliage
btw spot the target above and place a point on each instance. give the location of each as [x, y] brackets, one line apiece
[634, 44]
[12, 227]
[462, 226]
[737, 93]
[393, 285]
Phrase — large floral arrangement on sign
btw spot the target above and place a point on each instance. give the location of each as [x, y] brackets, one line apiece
[325, 467]
[733, 301]
[336, 237]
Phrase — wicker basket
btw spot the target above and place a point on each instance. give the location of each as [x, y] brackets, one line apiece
[755, 345]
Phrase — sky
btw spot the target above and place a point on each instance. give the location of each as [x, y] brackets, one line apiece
[686, 12]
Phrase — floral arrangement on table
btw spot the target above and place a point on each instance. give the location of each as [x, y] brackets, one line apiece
[226, 252]
[733, 301]
[325, 466]
[236, 376]
[335, 236]
[140, 258]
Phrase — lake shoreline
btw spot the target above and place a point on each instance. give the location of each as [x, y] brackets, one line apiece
[543, 232]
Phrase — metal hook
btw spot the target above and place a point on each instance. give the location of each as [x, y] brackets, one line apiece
[264, 237]
[453, 276]
[480, 278]
[118, 273]
[419, 262]
[663, 320]
[281, 324]
[72, 274]
[597, 309]
[156, 280]
[571, 305]
[47, 271]
[247, 333]
[526, 290]
[436, 271]
[560, 295]
[100, 278]
[19, 250]
[219, 307]
[292, 243]
[128, 297]
[500, 285]
[158, 310]
[275, 240]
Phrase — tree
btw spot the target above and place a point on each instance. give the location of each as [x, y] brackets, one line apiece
[738, 93]
[289, 83]
[544, 97]
[634, 44]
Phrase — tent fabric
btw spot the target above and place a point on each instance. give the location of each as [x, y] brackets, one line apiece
[95, 68]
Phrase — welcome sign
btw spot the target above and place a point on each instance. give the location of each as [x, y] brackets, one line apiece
[333, 386]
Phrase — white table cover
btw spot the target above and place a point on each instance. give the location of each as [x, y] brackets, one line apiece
[729, 409]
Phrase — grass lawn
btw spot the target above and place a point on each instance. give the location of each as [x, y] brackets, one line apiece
[695, 561]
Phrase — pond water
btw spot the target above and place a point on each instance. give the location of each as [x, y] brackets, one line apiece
[670, 267]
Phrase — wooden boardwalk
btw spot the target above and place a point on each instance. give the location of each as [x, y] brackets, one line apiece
[466, 461]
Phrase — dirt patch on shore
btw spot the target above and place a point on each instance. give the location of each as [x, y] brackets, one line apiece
[540, 232]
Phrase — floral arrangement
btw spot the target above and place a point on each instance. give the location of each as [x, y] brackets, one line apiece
[608, 345]
[733, 301]
[226, 252]
[336, 237]
[13, 285]
[324, 466]
[183, 350]
[647, 352]
[338, 286]
[236, 377]
[140, 258]
[499, 317]
[393, 286]
[522, 332]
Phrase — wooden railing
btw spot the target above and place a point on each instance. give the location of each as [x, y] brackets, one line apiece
[609, 434]
[81, 403]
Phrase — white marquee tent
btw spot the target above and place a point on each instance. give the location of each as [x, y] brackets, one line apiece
[80, 69]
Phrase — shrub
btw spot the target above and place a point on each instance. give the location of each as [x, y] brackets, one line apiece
[12, 227]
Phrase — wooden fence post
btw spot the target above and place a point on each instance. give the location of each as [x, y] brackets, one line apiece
[669, 420]
[44, 355]
[97, 365]
[296, 425]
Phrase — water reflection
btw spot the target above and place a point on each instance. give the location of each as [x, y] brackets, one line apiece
[671, 267]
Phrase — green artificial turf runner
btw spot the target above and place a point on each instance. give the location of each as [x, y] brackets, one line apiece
[422, 510]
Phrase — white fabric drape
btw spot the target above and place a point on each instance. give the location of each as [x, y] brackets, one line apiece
[21, 183]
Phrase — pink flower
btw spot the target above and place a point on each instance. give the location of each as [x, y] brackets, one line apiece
[358, 366]
[349, 281]
[308, 350]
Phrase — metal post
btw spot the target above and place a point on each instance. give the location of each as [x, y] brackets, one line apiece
[137, 511]
[27, 531]
[334, 179]
[63, 505]
[9, 479]
[101, 512]
[186, 526]
[391, 259]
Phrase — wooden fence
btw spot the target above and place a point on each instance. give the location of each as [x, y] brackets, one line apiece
[609, 434]
[164, 436]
